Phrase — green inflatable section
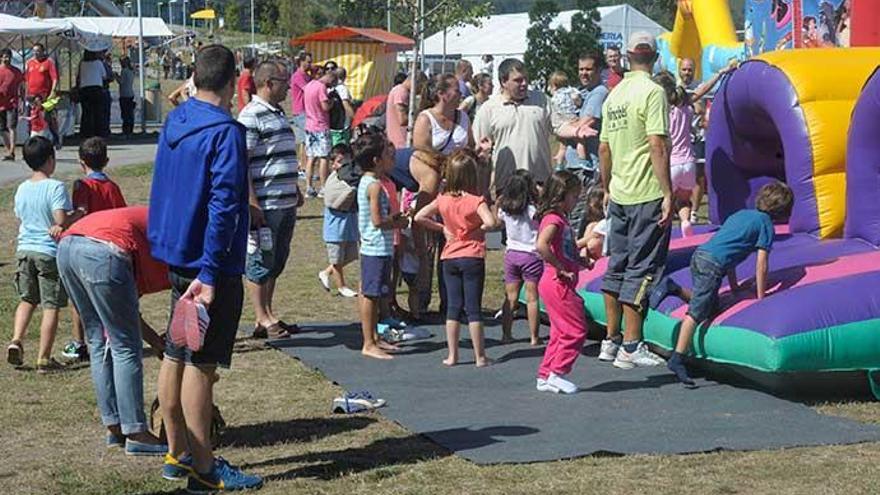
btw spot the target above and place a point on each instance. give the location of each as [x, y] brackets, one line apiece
[849, 347]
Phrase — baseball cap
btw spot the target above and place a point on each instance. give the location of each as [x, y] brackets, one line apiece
[641, 41]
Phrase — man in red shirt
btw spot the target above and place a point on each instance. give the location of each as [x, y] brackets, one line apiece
[10, 92]
[245, 86]
[105, 263]
[42, 80]
[613, 74]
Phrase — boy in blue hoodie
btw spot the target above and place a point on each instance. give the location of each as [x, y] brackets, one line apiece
[198, 226]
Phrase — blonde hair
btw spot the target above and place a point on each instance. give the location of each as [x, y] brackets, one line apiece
[461, 173]
[558, 79]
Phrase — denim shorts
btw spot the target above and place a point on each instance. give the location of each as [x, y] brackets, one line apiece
[263, 265]
[299, 127]
[707, 275]
[225, 313]
[637, 251]
[376, 276]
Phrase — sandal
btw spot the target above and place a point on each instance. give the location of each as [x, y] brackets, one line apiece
[289, 328]
[259, 332]
[276, 331]
[15, 353]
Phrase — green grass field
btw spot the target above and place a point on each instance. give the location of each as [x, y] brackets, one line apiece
[279, 424]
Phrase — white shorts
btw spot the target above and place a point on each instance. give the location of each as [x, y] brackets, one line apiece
[684, 176]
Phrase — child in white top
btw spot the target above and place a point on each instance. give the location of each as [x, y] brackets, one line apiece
[522, 265]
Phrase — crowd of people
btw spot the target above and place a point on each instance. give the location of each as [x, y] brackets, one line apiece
[413, 201]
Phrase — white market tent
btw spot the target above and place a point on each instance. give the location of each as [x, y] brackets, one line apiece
[504, 36]
[115, 27]
[12, 27]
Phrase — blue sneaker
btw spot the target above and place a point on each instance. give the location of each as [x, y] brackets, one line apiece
[114, 441]
[145, 449]
[223, 476]
[176, 469]
[394, 323]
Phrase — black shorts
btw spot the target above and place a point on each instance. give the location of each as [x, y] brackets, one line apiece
[225, 313]
[376, 276]
[8, 120]
[638, 248]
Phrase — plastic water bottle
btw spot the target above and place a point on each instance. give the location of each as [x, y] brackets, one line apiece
[253, 243]
[265, 238]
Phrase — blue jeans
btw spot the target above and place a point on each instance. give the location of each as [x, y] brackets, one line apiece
[101, 283]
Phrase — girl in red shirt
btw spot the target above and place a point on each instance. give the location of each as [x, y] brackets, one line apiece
[466, 218]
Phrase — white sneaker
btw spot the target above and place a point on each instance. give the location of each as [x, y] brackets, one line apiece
[564, 386]
[641, 357]
[347, 292]
[608, 350]
[693, 218]
[543, 386]
[325, 280]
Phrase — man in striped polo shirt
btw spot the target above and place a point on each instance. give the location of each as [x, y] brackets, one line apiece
[274, 193]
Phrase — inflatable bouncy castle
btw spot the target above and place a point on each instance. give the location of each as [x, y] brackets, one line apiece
[810, 118]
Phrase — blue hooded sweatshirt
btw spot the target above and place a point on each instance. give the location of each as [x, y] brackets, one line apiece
[199, 200]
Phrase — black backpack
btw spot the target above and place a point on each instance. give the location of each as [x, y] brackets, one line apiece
[337, 111]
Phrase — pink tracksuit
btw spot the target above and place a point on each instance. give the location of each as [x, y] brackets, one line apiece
[565, 308]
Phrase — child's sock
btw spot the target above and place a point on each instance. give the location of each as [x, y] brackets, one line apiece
[676, 365]
[630, 345]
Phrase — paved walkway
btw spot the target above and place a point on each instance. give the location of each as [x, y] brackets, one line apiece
[120, 153]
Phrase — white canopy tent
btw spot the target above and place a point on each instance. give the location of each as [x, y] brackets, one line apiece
[504, 36]
[115, 27]
[12, 27]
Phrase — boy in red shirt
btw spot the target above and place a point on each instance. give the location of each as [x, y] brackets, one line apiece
[95, 192]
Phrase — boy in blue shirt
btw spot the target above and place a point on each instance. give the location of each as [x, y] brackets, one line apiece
[741, 234]
[340, 234]
[43, 206]
[375, 155]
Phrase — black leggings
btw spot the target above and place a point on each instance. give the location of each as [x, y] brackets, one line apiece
[464, 287]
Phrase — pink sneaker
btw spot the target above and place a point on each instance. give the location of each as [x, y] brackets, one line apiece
[189, 324]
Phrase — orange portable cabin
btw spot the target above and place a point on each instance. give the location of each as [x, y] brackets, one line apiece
[368, 54]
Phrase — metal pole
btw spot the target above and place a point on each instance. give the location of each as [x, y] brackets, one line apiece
[421, 37]
[141, 68]
[253, 36]
[388, 16]
[443, 70]
[414, 68]
[170, 14]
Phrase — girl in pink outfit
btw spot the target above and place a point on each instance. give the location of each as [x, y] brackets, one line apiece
[682, 160]
[466, 218]
[565, 308]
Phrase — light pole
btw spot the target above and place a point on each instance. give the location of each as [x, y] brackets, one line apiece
[159, 9]
[183, 12]
[253, 37]
[170, 13]
[141, 68]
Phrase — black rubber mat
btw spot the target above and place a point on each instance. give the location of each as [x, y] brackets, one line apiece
[495, 415]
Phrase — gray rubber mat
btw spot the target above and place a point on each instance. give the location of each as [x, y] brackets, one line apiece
[495, 415]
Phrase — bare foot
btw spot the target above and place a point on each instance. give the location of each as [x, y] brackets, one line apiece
[386, 346]
[375, 352]
[483, 362]
[537, 343]
[450, 361]
[506, 338]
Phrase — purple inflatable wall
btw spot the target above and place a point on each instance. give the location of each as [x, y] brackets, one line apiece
[758, 133]
[863, 166]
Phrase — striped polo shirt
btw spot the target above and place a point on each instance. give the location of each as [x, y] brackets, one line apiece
[271, 146]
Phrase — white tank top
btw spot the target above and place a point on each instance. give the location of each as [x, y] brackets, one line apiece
[440, 136]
